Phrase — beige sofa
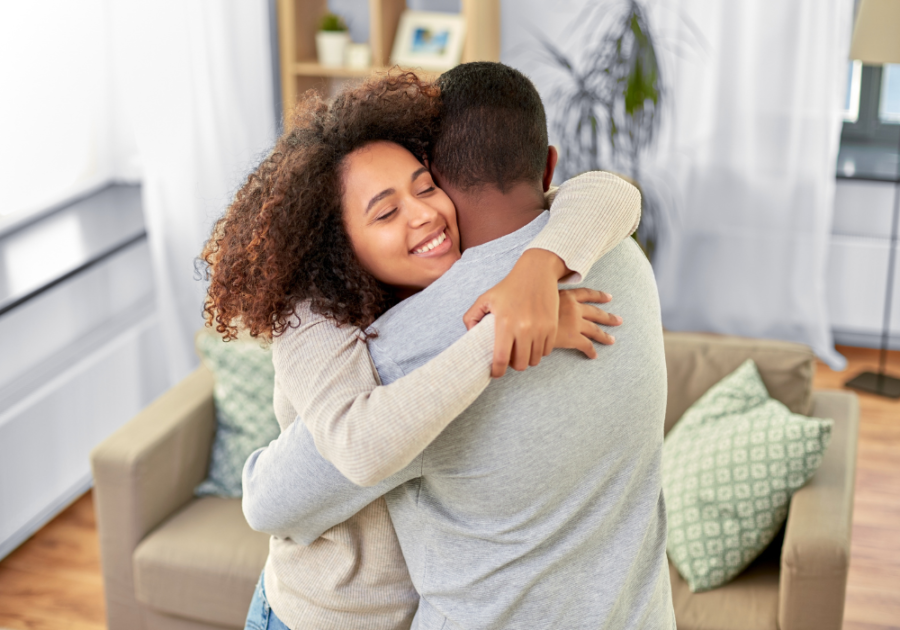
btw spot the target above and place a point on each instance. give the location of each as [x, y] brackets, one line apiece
[172, 561]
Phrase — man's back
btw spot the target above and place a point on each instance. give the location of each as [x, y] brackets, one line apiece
[540, 506]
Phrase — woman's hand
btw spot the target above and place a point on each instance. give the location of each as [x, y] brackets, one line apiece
[578, 321]
[532, 316]
[525, 305]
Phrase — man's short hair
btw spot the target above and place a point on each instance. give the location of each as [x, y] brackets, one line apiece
[493, 127]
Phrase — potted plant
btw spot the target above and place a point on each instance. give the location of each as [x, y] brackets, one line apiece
[610, 101]
[332, 40]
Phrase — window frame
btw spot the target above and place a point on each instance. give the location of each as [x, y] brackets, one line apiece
[851, 114]
[892, 118]
[868, 129]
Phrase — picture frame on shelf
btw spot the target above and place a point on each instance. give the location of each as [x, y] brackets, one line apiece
[431, 41]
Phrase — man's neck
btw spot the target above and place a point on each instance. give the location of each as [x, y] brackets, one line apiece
[487, 213]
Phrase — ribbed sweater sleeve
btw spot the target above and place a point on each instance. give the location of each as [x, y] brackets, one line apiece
[368, 431]
[589, 215]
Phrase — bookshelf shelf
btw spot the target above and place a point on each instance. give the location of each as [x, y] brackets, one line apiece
[298, 21]
[315, 69]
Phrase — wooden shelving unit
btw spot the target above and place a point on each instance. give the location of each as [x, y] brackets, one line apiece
[298, 22]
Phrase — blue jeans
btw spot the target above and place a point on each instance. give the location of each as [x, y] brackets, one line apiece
[260, 615]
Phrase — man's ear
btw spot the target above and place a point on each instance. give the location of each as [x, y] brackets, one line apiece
[552, 158]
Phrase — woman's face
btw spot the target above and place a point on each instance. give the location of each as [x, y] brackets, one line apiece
[401, 225]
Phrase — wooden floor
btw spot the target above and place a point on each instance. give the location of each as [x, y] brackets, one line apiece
[53, 581]
[873, 588]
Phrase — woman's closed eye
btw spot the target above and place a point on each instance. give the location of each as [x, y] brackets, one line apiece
[387, 215]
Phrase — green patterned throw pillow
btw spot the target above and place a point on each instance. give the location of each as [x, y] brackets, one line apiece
[245, 417]
[730, 467]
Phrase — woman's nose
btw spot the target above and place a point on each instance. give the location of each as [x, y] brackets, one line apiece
[421, 213]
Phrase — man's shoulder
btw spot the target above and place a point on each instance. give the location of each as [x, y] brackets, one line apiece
[422, 326]
[482, 266]
[625, 272]
[451, 295]
[625, 259]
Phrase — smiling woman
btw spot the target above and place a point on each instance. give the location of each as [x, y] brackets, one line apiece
[406, 234]
[284, 239]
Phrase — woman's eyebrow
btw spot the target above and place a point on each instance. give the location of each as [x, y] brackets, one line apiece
[378, 197]
[417, 173]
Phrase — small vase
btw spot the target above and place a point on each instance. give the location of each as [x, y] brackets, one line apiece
[358, 56]
[330, 47]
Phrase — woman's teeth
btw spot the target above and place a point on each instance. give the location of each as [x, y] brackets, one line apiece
[429, 246]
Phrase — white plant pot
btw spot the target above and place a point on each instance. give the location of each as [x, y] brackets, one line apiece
[330, 47]
[358, 56]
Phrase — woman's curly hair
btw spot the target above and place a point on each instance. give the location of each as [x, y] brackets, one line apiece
[283, 238]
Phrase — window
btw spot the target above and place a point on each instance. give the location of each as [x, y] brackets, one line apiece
[889, 104]
[871, 132]
[872, 106]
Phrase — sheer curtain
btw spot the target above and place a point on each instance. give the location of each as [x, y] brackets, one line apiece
[748, 155]
[196, 79]
[56, 140]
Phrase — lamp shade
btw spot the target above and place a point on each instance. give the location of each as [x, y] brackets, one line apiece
[876, 36]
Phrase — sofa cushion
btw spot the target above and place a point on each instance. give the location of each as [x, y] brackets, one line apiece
[697, 361]
[749, 602]
[730, 466]
[202, 563]
[245, 416]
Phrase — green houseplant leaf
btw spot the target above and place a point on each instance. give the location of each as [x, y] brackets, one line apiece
[611, 97]
[331, 22]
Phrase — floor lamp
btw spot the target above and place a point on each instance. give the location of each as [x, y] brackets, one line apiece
[876, 40]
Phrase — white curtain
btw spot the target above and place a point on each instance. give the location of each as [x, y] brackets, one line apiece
[748, 156]
[55, 140]
[196, 79]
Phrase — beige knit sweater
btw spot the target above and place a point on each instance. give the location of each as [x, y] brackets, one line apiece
[354, 577]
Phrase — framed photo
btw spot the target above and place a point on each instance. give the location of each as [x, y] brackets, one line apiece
[431, 41]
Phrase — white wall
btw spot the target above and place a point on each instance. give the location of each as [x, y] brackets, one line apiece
[79, 361]
[858, 264]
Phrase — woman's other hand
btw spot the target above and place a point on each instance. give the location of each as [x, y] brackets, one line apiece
[578, 321]
[525, 305]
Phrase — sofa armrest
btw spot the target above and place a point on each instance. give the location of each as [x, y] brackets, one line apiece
[143, 473]
[815, 556]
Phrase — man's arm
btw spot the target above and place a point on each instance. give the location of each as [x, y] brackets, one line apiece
[292, 492]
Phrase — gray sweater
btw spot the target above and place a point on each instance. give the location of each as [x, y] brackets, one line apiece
[541, 505]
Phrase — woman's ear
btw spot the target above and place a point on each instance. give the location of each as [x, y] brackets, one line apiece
[552, 158]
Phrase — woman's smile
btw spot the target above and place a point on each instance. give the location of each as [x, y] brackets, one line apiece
[434, 245]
